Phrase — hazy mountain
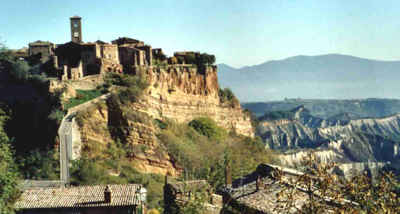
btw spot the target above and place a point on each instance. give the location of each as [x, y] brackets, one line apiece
[325, 108]
[325, 76]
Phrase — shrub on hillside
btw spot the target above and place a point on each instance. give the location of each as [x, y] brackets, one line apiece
[204, 158]
[9, 176]
[131, 87]
[38, 165]
[226, 96]
[57, 115]
[208, 127]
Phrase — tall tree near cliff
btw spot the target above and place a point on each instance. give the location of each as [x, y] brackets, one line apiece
[327, 192]
[9, 191]
[8, 170]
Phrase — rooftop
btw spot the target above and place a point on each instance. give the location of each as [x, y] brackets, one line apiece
[39, 42]
[82, 196]
[36, 184]
[126, 40]
[264, 199]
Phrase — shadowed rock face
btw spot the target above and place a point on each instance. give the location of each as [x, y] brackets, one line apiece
[342, 141]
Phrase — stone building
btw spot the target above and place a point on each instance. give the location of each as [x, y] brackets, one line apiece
[256, 193]
[127, 41]
[134, 52]
[76, 29]
[69, 63]
[149, 53]
[113, 199]
[130, 56]
[44, 50]
[76, 59]
[99, 57]
[177, 194]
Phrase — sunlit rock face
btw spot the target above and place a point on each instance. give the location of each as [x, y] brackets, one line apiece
[356, 145]
[179, 93]
[183, 93]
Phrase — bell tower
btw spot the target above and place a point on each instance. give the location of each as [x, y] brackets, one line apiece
[76, 29]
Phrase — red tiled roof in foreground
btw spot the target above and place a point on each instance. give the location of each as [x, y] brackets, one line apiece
[82, 196]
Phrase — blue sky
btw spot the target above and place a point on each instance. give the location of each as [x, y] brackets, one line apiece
[238, 32]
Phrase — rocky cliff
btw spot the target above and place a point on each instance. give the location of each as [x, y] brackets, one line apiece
[183, 93]
[347, 142]
[179, 93]
[102, 123]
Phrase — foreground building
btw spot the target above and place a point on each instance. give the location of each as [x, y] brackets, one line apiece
[257, 193]
[178, 194]
[98, 199]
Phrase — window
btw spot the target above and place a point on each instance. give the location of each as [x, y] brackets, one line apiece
[76, 34]
[75, 25]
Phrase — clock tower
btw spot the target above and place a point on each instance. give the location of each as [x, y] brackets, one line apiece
[76, 29]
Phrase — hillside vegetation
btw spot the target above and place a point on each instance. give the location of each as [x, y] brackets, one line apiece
[202, 149]
[9, 175]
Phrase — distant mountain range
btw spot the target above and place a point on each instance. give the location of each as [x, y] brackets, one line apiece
[331, 109]
[331, 76]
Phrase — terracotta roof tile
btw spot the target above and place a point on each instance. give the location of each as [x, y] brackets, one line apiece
[82, 196]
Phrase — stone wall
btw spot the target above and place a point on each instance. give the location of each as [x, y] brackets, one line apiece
[45, 49]
[110, 52]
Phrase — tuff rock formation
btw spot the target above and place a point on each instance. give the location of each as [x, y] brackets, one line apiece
[179, 93]
[355, 144]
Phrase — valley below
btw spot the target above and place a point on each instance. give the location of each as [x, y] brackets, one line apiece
[354, 144]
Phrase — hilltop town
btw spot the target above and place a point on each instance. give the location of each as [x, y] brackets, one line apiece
[76, 59]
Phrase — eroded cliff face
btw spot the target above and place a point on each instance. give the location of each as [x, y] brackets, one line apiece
[183, 93]
[356, 145]
[179, 93]
[103, 123]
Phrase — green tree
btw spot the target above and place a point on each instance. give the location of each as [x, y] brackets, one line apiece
[190, 58]
[9, 176]
[208, 127]
[328, 192]
[38, 164]
[206, 59]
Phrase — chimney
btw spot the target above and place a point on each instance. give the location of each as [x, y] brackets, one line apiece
[55, 62]
[228, 176]
[107, 194]
[258, 182]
